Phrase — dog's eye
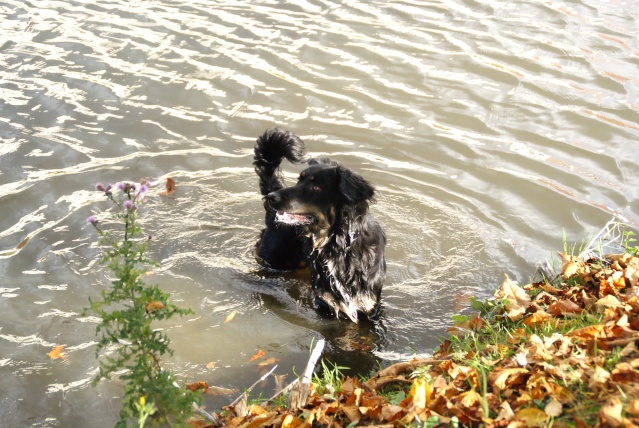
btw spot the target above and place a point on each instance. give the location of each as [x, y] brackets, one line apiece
[315, 188]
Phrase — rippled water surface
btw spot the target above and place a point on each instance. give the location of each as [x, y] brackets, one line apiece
[487, 127]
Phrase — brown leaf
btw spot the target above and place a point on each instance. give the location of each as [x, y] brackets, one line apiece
[57, 353]
[268, 362]
[550, 289]
[611, 413]
[501, 379]
[259, 354]
[563, 307]
[624, 373]
[195, 386]
[517, 299]
[571, 266]
[610, 301]
[352, 413]
[170, 187]
[230, 316]
[390, 412]
[506, 412]
[154, 306]
[633, 407]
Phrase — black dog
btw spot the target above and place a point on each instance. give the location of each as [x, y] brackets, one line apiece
[323, 221]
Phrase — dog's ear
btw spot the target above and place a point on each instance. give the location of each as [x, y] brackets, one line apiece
[354, 187]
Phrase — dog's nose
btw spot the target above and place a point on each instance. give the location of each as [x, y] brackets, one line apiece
[273, 198]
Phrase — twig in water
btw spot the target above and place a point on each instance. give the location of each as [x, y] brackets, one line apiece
[299, 394]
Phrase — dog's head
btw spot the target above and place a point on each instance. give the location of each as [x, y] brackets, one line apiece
[325, 193]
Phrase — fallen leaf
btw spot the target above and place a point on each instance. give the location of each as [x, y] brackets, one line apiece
[469, 398]
[633, 408]
[501, 379]
[599, 376]
[571, 265]
[420, 394]
[611, 413]
[260, 354]
[537, 318]
[268, 362]
[610, 301]
[517, 300]
[624, 373]
[352, 413]
[230, 316]
[211, 365]
[56, 353]
[391, 412]
[291, 421]
[154, 306]
[506, 412]
[195, 386]
[532, 417]
[170, 187]
[563, 307]
[553, 408]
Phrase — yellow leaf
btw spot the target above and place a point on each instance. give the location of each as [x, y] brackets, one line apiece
[420, 393]
[470, 398]
[532, 417]
[211, 365]
[537, 319]
[291, 421]
[517, 300]
[56, 353]
[268, 362]
[230, 316]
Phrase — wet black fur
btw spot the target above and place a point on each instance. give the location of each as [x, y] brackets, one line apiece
[327, 225]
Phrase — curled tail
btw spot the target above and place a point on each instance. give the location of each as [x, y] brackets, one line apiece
[270, 148]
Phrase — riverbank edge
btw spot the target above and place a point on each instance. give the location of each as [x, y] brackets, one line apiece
[557, 352]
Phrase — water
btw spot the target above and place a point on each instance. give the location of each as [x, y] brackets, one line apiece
[488, 127]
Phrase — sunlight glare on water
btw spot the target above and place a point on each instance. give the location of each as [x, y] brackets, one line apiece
[489, 128]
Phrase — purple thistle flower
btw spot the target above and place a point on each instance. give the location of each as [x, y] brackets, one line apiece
[121, 185]
[92, 220]
[128, 204]
[99, 187]
[107, 191]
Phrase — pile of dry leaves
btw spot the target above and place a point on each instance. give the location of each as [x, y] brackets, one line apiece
[560, 353]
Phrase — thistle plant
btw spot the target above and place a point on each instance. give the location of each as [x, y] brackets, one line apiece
[128, 345]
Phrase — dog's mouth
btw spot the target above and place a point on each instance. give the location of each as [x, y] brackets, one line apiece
[294, 219]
